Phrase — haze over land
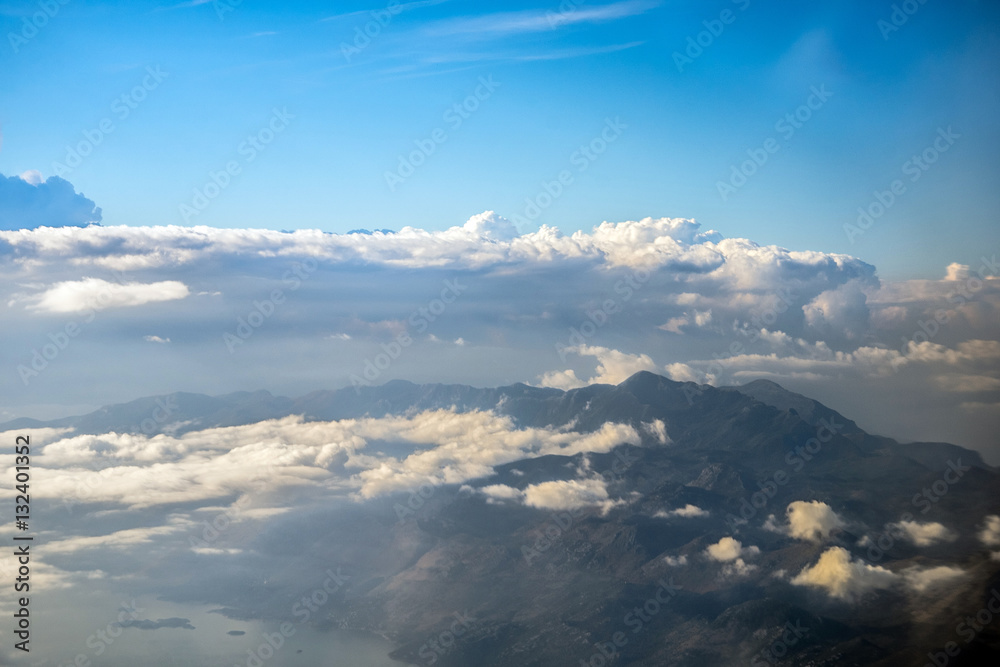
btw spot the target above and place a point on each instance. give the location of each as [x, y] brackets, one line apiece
[453, 333]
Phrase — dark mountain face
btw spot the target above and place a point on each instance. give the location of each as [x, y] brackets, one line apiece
[695, 557]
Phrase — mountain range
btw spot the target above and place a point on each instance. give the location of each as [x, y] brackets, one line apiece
[742, 525]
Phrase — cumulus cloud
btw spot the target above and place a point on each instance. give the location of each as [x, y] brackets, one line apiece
[990, 533]
[555, 495]
[687, 512]
[733, 555]
[924, 534]
[135, 470]
[840, 312]
[729, 549]
[842, 577]
[613, 367]
[569, 494]
[28, 202]
[97, 294]
[746, 311]
[923, 580]
[813, 520]
[675, 561]
[495, 492]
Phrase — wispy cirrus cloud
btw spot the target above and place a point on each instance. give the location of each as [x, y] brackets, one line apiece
[503, 24]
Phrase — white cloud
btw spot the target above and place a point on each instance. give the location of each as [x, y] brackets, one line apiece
[564, 380]
[531, 21]
[928, 579]
[841, 312]
[502, 492]
[675, 561]
[97, 294]
[613, 367]
[658, 430]
[924, 534]
[687, 512]
[569, 494]
[155, 339]
[32, 176]
[729, 549]
[843, 578]
[990, 533]
[330, 457]
[812, 520]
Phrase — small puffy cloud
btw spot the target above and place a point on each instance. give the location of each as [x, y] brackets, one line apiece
[956, 271]
[990, 534]
[732, 554]
[568, 495]
[658, 430]
[923, 580]
[843, 578]
[737, 568]
[924, 534]
[28, 202]
[564, 380]
[155, 339]
[613, 367]
[675, 561]
[729, 549]
[686, 512]
[697, 318]
[96, 294]
[497, 492]
[813, 520]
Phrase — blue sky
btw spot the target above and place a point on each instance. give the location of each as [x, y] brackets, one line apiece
[558, 82]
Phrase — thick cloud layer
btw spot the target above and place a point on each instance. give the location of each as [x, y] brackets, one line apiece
[482, 304]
